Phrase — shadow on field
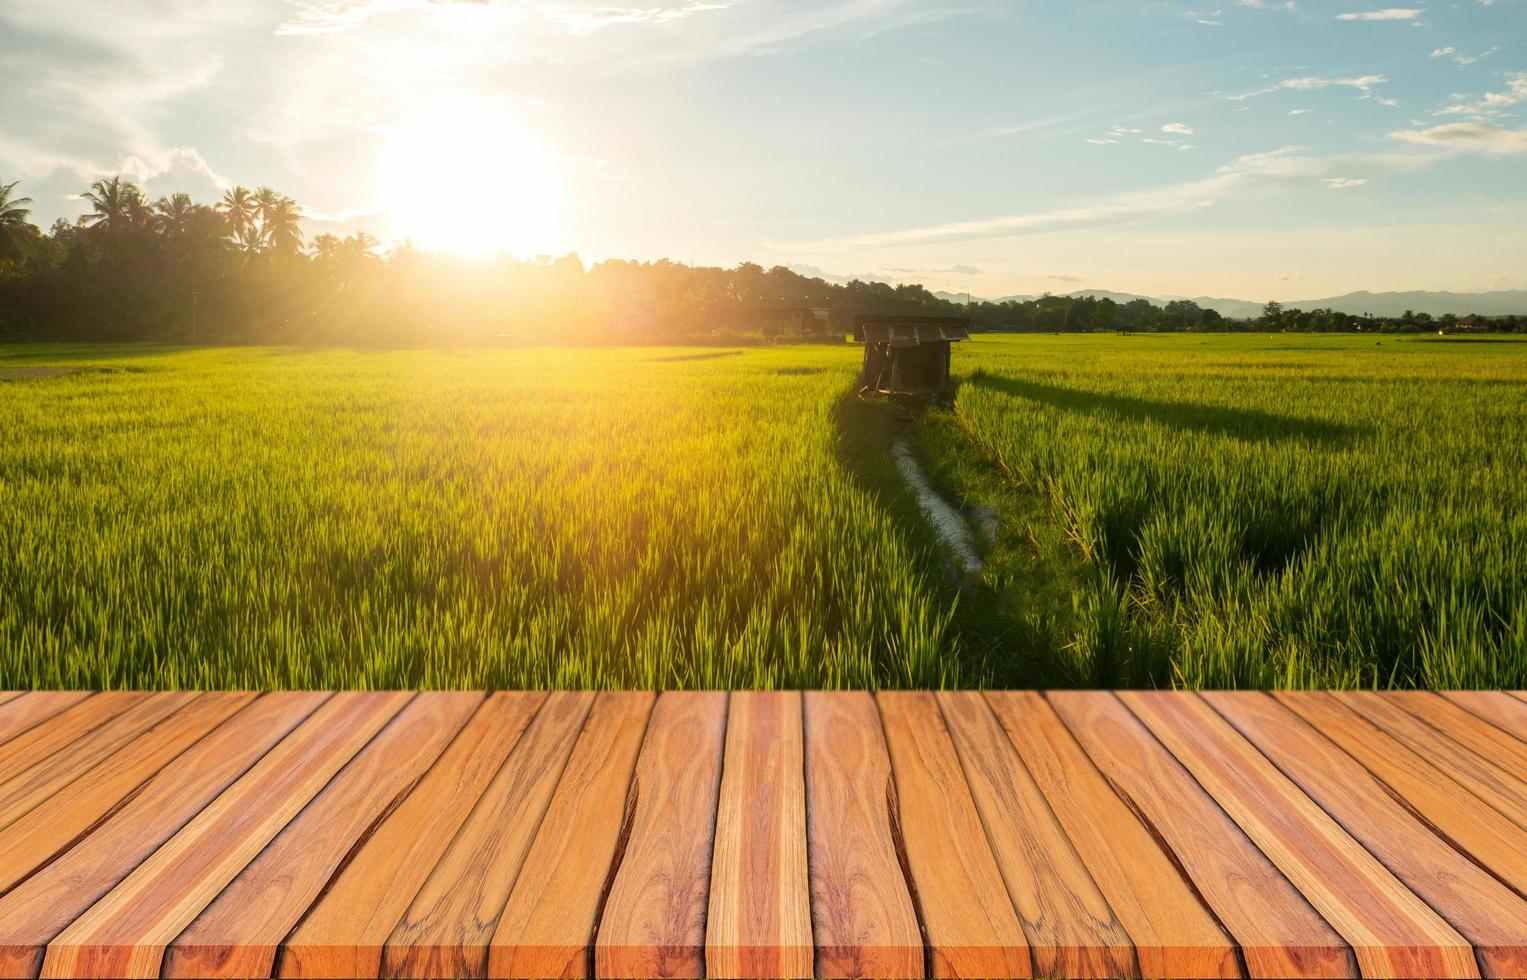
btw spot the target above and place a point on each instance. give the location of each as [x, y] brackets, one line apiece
[708, 356]
[1218, 420]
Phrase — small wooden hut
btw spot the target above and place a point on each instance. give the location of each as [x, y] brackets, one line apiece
[908, 355]
[798, 323]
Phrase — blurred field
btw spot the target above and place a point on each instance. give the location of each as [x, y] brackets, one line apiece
[1174, 510]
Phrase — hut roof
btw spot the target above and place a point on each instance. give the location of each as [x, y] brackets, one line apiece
[909, 331]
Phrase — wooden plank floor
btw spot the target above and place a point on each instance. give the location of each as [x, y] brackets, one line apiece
[627, 834]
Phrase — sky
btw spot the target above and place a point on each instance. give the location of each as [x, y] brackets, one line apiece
[1257, 149]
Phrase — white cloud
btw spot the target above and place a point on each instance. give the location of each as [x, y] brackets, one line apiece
[1299, 112]
[1490, 103]
[1306, 83]
[1487, 138]
[1178, 128]
[1340, 183]
[1459, 58]
[1388, 13]
[1248, 176]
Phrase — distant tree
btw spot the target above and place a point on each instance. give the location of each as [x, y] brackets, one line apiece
[1272, 316]
[238, 206]
[15, 229]
[115, 205]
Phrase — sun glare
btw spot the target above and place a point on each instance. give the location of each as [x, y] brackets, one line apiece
[472, 180]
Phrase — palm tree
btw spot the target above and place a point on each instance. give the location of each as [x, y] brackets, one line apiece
[281, 222]
[14, 225]
[238, 206]
[115, 204]
[172, 215]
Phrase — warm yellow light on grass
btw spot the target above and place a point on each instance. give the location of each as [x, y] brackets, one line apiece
[469, 178]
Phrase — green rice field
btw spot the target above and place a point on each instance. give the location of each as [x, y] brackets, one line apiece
[1169, 510]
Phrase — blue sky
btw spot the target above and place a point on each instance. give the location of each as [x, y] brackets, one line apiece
[1250, 148]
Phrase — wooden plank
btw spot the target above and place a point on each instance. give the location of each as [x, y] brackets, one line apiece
[447, 928]
[343, 935]
[1069, 925]
[1279, 932]
[66, 815]
[1505, 791]
[1465, 727]
[1499, 708]
[1174, 934]
[547, 929]
[973, 930]
[759, 919]
[862, 915]
[1473, 826]
[31, 708]
[48, 775]
[1483, 910]
[124, 933]
[1393, 933]
[39, 908]
[9, 696]
[49, 736]
[237, 935]
[654, 918]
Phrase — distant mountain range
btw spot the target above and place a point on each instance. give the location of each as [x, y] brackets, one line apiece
[1496, 303]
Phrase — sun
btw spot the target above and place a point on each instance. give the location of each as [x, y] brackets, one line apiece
[468, 178]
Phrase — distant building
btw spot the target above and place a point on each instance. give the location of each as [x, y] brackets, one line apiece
[908, 356]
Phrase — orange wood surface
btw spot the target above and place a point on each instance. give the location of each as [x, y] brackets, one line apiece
[125, 932]
[973, 930]
[1174, 934]
[446, 930]
[837, 834]
[1484, 911]
[36, 909]
[1477, 829]
[862, 915]
[547, 929]
[653, 924]
[1392, 931]
[345, 933]
[758, 922]
[1279, 932]
[1071, 929]
[237, 935]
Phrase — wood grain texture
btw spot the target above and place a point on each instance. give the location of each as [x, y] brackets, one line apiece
[1466, 728]
[862, 916]
[124, 933]
[1279, 933]
[237, 935]
[973, 930]
[1174, 934]
[59, 768]
[1392, 932]
[50, 826]
[25, 709]
[547, 929]
[1488, 914]
[1071, 929]
[1499, 708]
[758, 922]
[51, 735]
[1482, 776]
[447, 928]
[654, 918]
[344, 933]
[41, 906]
[1473, 826]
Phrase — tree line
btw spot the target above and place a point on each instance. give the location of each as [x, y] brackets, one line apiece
[241, 270]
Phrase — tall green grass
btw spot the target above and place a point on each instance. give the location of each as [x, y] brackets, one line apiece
[265, 518]
[1267, 512]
